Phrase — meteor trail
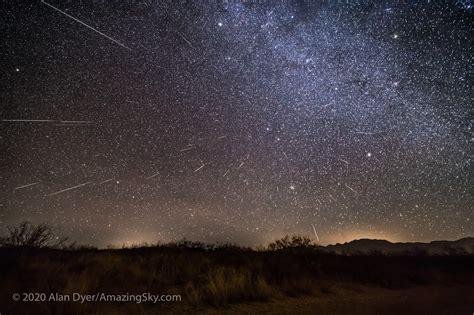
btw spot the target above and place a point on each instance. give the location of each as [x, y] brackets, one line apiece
[186, 149]
[75, 122]
[353, 190]
[79, 21]
[24, 186]
[152, 176]
[199, 168]
[185, 39]
[70, 188]
[315, 233]
[226, 172]
[365, 133]
[27, 120]
[344, 161]
[62, 122]
[328, 104]
[70, 123]
[106, 181]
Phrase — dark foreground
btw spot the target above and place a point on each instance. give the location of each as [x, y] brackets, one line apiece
[232, 280]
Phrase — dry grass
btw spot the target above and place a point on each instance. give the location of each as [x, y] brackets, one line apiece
[210, 277]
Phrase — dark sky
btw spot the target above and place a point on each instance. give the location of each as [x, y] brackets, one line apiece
[237, 121]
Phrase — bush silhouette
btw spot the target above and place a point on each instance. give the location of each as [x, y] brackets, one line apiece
[28, 235]
[288, 242]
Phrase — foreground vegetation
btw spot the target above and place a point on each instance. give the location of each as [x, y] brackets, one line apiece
[211, 277]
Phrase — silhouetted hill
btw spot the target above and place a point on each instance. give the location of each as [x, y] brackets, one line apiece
[370, 246]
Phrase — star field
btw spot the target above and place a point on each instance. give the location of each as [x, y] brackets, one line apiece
[238, 121]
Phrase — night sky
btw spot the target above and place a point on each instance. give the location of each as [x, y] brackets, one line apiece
[124, 122]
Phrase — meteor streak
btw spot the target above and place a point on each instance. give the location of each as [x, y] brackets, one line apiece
[315, 233]
[199, 168]
[79, 21]
[24, 186]
[67, 189]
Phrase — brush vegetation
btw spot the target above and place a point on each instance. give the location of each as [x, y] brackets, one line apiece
[205, 275]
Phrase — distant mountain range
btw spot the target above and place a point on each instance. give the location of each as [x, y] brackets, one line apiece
[367, 246]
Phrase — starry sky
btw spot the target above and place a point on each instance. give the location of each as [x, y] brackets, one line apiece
[241, 121]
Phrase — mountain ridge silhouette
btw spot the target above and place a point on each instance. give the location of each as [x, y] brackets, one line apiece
[438, 247]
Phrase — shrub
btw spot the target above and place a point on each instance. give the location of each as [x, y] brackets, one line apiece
[28, 235]
[287, 242]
